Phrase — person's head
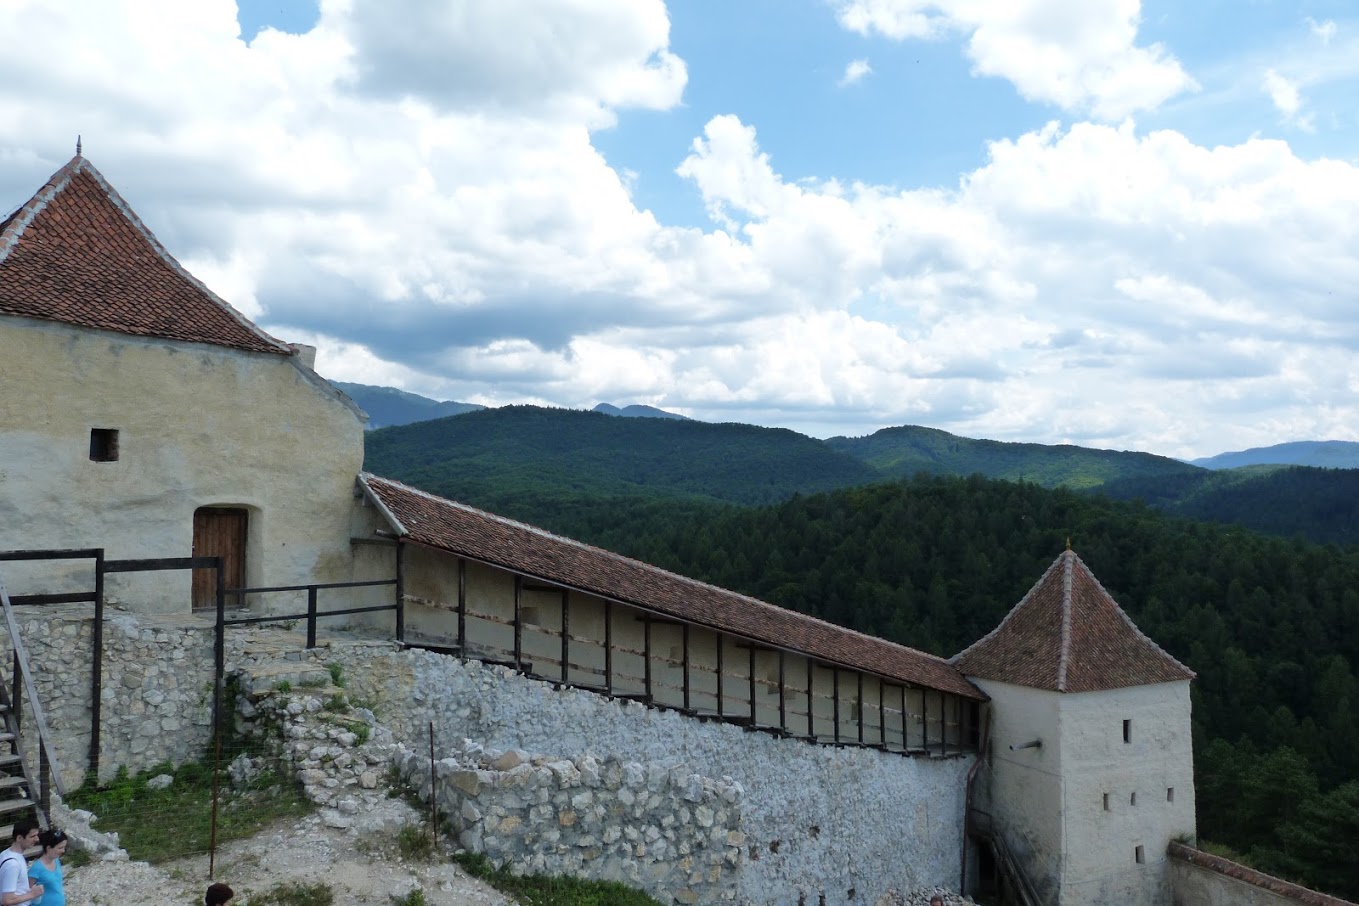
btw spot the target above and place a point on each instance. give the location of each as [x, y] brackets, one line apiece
[218, 895]
[53, 843]
[936, 900]
[25, 833]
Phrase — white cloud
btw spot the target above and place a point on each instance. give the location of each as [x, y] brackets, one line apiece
[1324, 31]
[1081, 55]
[1089, 283]
[1287, 99]
[854, 72]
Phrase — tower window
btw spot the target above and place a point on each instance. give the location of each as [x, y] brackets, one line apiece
[103, 445]
[1106, 802]
[1132, 800]
[1127, 731]
[1140, 855]
[1170, 794]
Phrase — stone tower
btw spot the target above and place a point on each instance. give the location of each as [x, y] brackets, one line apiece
[1089, 773]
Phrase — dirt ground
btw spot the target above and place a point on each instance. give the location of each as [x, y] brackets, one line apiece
[366, 872]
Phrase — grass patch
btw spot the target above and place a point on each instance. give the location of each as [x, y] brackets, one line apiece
[156, 825]
[415, 843]
[295, 893]
[336, 675]
[76, 858]
[540, 890]
[415, 898]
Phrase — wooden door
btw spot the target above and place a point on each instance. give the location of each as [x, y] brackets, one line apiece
[219, 532]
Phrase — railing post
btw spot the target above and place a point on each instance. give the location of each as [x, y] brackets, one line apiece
[311, 617]
[44, 781]
[18, 686]
[97, 665]
[219, 650]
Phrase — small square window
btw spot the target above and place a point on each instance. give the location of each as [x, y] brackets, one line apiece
[1106, 802]
[103, 445]
[1127, 731]
[1140, 855]
[1132, 800]
[1170, 794]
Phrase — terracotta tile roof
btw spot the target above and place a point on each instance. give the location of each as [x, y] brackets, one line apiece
[76, 253]
[1069, 635]
[458, 529]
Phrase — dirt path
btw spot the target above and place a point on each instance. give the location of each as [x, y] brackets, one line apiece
[360, 872]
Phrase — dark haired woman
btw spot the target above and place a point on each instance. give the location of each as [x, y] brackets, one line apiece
[218, 895]
[46, 869]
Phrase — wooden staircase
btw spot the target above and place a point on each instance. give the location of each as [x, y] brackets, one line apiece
[24, 793]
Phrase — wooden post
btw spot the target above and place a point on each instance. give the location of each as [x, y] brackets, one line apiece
[835, 708]
[566, 636]
[684, 667]
[811, 700]
[783, 704]
[608, 646]
[646, 655]
[400, 592]
[721, 643]
[882, 713]
[925, 719]
[754, 718]
[462, 607]
[861, 707]
[518, 621]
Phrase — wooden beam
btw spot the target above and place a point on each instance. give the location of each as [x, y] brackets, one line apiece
[783, 705]
[861, 707]
[566, 635]
[462, 606]
[753, 717]
[646, 656]
[721, 643]
[518, 620]
[684, 677]
[835, 708]
[811, 699]
[608, 646]
[882, 712]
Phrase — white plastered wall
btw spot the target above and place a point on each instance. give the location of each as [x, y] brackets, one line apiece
[198, 425]
[1156, 766]
[1022, 788]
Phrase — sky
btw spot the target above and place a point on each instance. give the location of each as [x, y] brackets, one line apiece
[1112, 223]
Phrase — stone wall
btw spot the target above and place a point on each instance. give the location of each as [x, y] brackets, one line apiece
[839, 823]
[661, 829]
[1202, 879]
[842, 823]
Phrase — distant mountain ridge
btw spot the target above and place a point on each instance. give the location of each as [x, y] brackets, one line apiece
[1323, 454]
[387, 406]
[910, 449]
[637, 410]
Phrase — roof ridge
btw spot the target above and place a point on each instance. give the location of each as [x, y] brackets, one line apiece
[17, 222]
[1118, 608]
[1064, 648]
[1013, 610]
[505, 520]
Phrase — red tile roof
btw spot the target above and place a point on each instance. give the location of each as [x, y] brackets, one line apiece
[458, 529]
[1069, 635]
[76, 253]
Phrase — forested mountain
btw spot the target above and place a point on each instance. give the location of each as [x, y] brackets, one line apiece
[1318, 504]
[388, 406]
[1270, 625]
[1325, 454]
[911, 449]
[496, 457]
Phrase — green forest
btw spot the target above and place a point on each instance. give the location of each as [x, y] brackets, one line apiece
[1270, 623]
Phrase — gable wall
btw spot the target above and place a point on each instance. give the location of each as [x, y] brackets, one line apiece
[198, 426]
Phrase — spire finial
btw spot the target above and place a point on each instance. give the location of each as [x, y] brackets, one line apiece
[77, 145]
[1068, 542]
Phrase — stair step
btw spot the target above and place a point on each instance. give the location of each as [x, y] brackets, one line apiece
[11, 782]
[8, 758]
[15, 805]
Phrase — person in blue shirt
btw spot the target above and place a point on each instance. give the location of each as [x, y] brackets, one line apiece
[46, 869]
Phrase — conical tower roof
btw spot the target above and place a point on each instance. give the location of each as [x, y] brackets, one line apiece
[77, 254]
[1069, 635]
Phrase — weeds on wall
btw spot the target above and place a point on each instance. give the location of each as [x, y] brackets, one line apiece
[541, 890]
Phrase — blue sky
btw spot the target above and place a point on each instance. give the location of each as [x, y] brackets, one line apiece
[1104, 222]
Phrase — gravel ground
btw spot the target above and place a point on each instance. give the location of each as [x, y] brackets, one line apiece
[361, 873]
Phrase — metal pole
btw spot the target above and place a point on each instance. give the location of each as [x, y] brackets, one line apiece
[219, 649]
[97, 665]
[216, 768]
[433, 790]
[311, 617]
